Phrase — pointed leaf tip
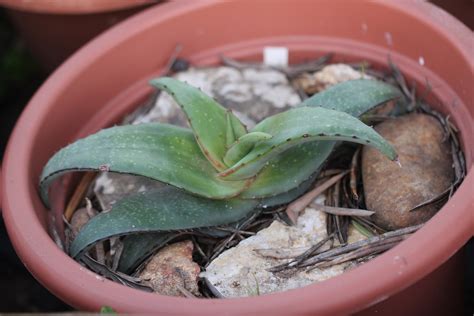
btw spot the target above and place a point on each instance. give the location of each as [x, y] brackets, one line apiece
[208, 119]
[243, 145]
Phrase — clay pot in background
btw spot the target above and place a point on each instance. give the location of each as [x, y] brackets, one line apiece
[463, 10]
[97, 86]
[54, 29]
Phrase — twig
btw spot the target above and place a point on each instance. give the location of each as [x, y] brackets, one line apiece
[280, 253]
[362, 228]
[199, 249]
[354, 248]
[78, 195]
[341, 234]
[114, 276]
[366, 221]
[290, 71]
[353, 177]
[359, 253]
[184, 291]
[397, 75]
[329, 172]
[295, 207]
[226, 242]
[233, 230]
[313, 249]
[375, 242]
[330, 219]
[227, 61]
[311, 66]
[362, 66]
[342, 211]
[172, 59]
[116, 256]
[302, 257]
[98, 247]
[212, 288]
[273, 211]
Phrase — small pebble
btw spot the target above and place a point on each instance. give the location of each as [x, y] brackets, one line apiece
[172, 269]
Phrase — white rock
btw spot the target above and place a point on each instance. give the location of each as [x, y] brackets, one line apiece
[337, 73]
[111, 187]
[236, 272]
[327, 77]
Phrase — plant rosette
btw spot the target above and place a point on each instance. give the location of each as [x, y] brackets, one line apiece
[143, 221]
[226, 170]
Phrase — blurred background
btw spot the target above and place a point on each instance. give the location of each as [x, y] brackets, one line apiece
[34, 40]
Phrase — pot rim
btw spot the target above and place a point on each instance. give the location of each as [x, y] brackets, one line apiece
[73, 7]
[73, 283]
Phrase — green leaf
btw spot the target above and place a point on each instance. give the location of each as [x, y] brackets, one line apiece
[107, 310]
[161, 152]
[234, 129]
[354, 97]
[302, 125]
[207, 118]
[288, 196]
[242, 146]
[167, 209]
[137, 247]
[229, 132]
[294, 166]
[289, 170]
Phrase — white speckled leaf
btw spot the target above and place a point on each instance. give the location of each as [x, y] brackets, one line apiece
[294, 166]
[207, 118]
[163, 210]
[161, 152]
[243, 145]
[301, 125]
[354, 97]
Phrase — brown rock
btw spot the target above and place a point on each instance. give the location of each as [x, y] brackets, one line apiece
[329, 76]
[172, 271]
[426, 171]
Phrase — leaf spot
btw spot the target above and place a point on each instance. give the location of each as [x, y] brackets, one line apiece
[104, 167]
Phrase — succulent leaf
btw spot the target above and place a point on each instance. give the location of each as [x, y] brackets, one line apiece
[137, 247]
[161, 152]
[302, 125]
[162, 210]
[354, 97]
[229, 133]
[287, 196]
[242, 146]
[207, 118]
[294, 166]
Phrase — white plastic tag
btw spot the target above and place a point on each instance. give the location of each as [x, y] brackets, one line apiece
[275, 56]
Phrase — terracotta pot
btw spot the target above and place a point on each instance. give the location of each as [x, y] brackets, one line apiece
[108, 78]
[54, 29]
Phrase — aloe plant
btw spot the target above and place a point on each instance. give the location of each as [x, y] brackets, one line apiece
[218, 171]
